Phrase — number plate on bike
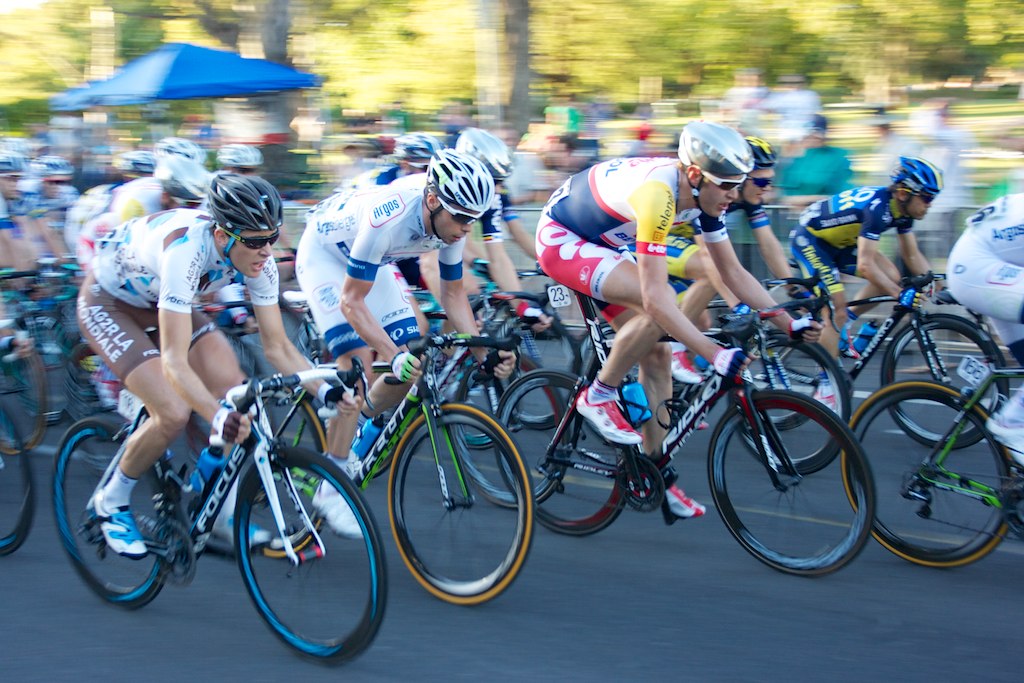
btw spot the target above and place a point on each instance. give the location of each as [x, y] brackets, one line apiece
[560, 296]
[973, 370]
[128, 404]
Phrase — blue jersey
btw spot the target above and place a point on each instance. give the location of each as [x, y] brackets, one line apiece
[860, 212]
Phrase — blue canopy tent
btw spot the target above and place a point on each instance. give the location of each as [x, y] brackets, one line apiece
[179, 71]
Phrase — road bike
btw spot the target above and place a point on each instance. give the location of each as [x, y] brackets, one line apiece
[949, 493]
[17, 494]
[322, 595]
[799, 499]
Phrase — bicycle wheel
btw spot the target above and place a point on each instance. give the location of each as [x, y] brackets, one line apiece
[817, 521]
[83, 458]
[954, 338]
[940, 515]
[331, 605]
[803, 366]
[17, 497]
[458, 545]
[25, 380]
[571, 501]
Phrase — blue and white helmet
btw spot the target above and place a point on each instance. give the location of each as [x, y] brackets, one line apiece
[12, 163]
[918, 176]
[138, 162]
[51, 166]
[239, 156]
[417, 148]
[461, 180]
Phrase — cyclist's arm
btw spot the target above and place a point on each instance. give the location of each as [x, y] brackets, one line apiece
[175, 340]
[500, 266]
[659, 303]
[741, 282]
[50, 237]
[353, 305]
[912, 256]
[771, 251]
[522, 238]
[277, 347]
[867, 267]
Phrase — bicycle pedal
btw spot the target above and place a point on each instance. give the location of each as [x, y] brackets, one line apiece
[667, 515]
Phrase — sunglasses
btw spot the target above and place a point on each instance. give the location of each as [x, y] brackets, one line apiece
[727, 184]
[761, 182]
[255, 243]
[460, 216]
[925, 197]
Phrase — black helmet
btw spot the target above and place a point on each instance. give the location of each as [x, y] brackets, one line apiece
[715, 149]
[244, 202]
[764, 155]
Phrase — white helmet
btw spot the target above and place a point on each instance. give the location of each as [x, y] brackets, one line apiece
[461, 180]
[715, 149]
[488, 148]
[182, 178]
[137, 162]
[180, 147]
[52, 166]
[239, 156]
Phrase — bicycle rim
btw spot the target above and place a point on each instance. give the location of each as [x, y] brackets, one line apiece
[17, 496]
[460, 547]
[329, 607]
[570, 501]
[25, 380]
[918, 519]
[81, 460]
[822, 519]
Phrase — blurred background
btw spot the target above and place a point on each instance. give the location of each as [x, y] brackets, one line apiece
[565, 83]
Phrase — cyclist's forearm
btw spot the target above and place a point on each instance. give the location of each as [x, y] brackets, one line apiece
[501, 268]
[522, 238]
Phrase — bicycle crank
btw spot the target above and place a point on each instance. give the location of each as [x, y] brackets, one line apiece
[641, 482]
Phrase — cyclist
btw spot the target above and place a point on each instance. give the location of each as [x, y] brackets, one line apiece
[580, 237]
[684, 265]
[96, 200]
[345, 265]
[985, 272]
[147, 272]
[13, 215]
[177, 181]
[52, 185]
[242, 159]
[839, 235]
[179, 147]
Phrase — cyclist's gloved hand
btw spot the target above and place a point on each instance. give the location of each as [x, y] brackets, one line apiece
[911, 298]
[741, 309]
[405, 366]
[798, 292]
[530, 315]
[729, 363]
[498, 364]
[328, 394]
[799, 327]
[230, 425]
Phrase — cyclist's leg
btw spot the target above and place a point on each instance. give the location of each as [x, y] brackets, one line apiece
[870, 289]
[814, 258]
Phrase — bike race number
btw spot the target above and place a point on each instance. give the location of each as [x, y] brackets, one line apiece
[973, 370]
[560, 296]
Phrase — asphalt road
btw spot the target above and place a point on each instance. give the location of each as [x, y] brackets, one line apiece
[639, 601]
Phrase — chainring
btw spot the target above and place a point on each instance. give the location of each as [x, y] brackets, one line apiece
[641, 483]
[178, 565]
[1012, 497]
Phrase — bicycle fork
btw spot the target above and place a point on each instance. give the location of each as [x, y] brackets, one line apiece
[766, 442]
[435, 430]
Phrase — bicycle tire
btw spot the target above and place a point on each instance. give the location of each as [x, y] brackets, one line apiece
[804, 362]
[569, 501]
[955, 337]
[82, 458]
[17, 494]
[330, 607]
[822, 520]
[431, 537]
[958, 529]
[25, 379]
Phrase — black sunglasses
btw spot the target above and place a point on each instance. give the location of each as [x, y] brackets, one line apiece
[255, 243]
[761, 182]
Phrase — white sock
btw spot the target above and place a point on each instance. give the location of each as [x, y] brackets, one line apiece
[118, 491]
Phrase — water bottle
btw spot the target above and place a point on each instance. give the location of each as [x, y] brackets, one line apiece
[209, 465]
[636, 402]
[864, 336]
[367, 435]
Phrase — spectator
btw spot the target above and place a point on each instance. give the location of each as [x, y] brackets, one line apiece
[795, 104]
[820, 171]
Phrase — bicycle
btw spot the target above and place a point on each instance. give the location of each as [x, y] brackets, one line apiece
[950, 493]
[457, 543]
[17, 493]
[779, 496]
[326, 603]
